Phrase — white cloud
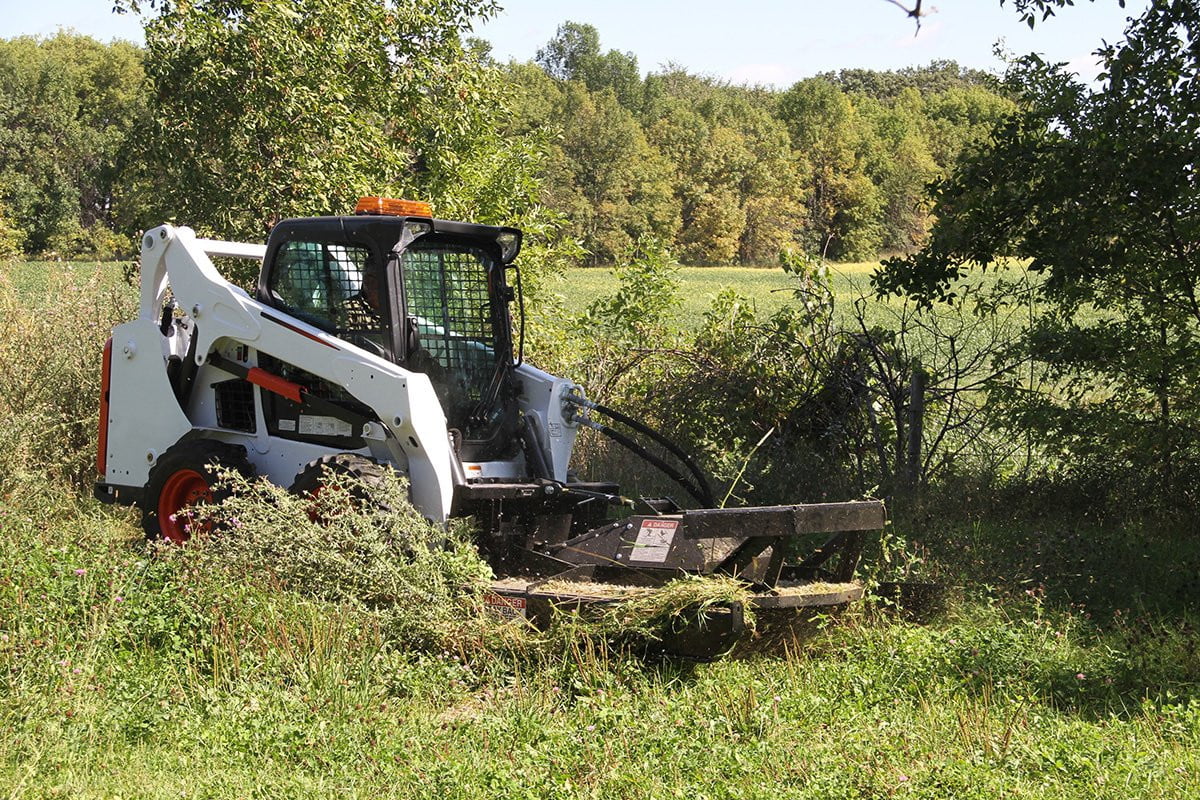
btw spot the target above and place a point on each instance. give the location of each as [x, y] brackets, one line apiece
[928, 35]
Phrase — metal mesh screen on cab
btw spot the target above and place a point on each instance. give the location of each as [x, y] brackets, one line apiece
[322, 283]
[446, 291]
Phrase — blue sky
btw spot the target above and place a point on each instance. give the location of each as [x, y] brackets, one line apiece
[755, 41]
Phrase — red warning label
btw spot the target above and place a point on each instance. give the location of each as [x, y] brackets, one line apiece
[507, 607]
[654, 540]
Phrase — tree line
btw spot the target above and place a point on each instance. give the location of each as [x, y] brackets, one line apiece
[836, 165]
[235, 115]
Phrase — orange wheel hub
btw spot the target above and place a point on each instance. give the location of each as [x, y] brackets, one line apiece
[184, 489]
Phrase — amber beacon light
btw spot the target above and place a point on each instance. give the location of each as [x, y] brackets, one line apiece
[392, 206]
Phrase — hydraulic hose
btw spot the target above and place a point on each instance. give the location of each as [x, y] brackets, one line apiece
[534, 454]
[701, 490]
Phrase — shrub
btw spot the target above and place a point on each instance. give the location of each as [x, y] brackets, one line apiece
[424, 583]
[12, 239]
[50, 354]
[97, 241]
[772, 406]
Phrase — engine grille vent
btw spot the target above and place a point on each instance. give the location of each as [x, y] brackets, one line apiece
[235, 405]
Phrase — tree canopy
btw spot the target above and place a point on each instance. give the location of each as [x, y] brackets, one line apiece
[68, 107]
[1096, 193]
[836, 164]
[264, 110]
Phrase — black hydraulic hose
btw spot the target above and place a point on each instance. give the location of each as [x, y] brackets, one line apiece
[534, 454]
[708, 500]
[187, 371]
[488, 400]
[703, 497]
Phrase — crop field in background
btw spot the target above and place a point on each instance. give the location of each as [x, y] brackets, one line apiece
[769, 287]
[1066, 664]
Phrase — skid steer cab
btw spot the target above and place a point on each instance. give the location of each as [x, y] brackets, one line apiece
[384, 340]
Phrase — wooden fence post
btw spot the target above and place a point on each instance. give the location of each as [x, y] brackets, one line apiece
[916, 420]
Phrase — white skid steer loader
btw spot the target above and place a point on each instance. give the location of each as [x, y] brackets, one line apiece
[384, 340]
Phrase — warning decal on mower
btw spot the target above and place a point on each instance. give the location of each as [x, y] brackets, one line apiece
[506, 607]
[654, 540]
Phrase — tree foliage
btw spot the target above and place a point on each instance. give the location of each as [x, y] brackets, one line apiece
[1096, 193]
[934, 78]
[239, 113]
[843, 203]
[68, 105]
[574, 55]
[264, 110]
[728, 174]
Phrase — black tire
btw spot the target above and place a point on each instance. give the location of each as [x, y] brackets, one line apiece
[182, 476]
[310, 480]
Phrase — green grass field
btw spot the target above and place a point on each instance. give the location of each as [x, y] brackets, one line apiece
[123, 674]
[1065, 666]
[770, 288]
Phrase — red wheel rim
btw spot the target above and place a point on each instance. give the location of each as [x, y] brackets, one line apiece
[183, 489]
[314, 504]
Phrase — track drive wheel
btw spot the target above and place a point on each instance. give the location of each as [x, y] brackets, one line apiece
[184, 477]
[312, 479]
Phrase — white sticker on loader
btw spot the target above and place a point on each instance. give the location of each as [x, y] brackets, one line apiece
[654, 540]
[314, 425]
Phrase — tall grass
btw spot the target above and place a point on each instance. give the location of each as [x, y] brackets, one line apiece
[283, 659]
[50, 352]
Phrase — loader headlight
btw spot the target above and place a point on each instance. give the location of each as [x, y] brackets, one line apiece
[414, 229]
[510, 245]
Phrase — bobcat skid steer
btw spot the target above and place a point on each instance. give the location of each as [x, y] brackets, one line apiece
[384, 340]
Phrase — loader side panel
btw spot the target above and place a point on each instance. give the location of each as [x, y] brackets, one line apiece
[541, 401]
[144, 418]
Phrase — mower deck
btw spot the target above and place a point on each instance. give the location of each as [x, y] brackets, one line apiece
[768, 549]
[701, 634]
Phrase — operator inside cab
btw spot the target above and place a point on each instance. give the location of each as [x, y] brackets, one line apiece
[366, 311]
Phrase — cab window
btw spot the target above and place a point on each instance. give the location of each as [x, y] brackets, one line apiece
[337, 287]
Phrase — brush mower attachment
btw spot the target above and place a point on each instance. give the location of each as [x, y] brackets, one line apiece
[763, 547]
